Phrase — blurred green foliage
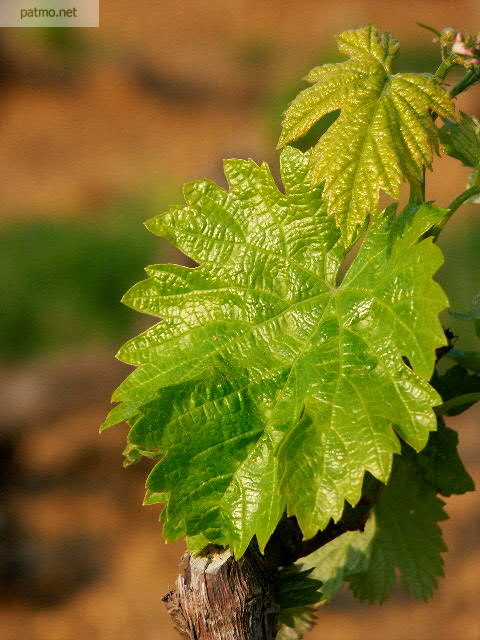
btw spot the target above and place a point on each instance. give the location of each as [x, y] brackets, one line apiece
[62, 281]
[460, 277]
[64, 41]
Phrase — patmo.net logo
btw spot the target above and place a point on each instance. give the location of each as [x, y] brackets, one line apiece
[49, 13]
[35, 12]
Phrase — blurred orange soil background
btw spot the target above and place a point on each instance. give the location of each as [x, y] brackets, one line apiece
[156, 96]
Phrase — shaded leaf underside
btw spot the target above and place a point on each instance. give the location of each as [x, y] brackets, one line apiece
[402, 532]
[462, 141]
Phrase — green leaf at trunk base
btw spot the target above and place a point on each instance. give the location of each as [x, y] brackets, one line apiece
[344, 556]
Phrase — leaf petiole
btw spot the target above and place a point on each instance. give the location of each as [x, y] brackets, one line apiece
[453, 403]
[453, 206]
[429, 28]
[447, 64]
[469, 79]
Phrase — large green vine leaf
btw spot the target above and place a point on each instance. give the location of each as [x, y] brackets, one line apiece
[268, 384]
[384, 133]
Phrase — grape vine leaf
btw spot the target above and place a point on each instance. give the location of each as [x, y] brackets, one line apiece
[462, 141]
[372, 552]
[269, 384]
[407, 537]
[296, 593]
[341, 558]
[458, 387]
[468, 359]
[303, 621]
[384, 134]
[440, 464]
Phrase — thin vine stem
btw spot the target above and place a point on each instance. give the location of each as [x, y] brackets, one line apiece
[459, 401]
[417, 192]
[463, 197]
[469, 79]
[446, 65]
[453, 206]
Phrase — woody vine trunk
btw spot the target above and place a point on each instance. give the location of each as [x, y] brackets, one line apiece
[218, 598]
[287, 374]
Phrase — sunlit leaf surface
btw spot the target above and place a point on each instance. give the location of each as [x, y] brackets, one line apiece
[384, 134]
[272, 383]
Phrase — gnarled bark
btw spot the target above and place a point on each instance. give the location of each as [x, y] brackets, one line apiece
[218, 598]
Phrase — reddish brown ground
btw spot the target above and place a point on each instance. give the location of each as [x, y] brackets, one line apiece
[68, 487]
[67, 146]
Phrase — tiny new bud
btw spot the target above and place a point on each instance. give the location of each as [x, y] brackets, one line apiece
[448, 35]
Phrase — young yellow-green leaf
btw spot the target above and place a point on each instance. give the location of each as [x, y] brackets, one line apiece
[269, 384]
[384, 133]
